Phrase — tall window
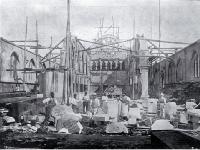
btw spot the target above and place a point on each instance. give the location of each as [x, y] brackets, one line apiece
[56, 81]
[14, 61]
[103, 65]
[123, 65]
[171, 72]
[108, 66]
[179, 71]
[93, 65]
[196, 65]
[31, 65]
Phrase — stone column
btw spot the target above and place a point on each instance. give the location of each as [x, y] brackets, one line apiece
[144, 81]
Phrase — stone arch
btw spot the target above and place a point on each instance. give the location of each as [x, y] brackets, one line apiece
[31, 65]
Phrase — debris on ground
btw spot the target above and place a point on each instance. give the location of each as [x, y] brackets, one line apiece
[116, 127]
[73, 126]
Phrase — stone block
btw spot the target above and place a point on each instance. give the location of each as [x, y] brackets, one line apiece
[102, 117]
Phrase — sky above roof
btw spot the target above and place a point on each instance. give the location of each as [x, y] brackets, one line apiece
[180, 19]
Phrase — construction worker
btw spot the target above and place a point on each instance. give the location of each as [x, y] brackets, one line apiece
[50, 103]
[124, 107]
[74, 103]
[162, 102]
[86, 102]
[95, 104]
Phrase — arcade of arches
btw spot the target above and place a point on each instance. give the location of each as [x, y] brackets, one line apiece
[108, 65]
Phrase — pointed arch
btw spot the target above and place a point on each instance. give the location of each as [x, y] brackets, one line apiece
[31, 65]
[14, 61]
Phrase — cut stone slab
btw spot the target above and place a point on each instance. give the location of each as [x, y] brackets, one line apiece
[162, 125]
[65, 112]
[101, 117]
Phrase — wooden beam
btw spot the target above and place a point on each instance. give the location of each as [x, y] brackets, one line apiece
[24, 41]
[39, 70]
[52, 49]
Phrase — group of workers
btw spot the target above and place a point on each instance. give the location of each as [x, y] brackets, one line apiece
[90, 103]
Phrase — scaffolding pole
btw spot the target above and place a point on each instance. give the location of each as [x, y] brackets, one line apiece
[24, 75]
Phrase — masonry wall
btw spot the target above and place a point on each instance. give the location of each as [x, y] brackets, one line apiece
[178, 75]
[12, 57]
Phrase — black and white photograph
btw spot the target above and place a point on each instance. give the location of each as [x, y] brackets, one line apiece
[99, 74]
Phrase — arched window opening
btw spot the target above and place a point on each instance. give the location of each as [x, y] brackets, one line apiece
[14, 61]
[196, 65]
[179, 71]
[31, 65]
[103, 65]
[113, 65]
[123, 65]
[108, 65]
[93, 65]
[162, 75]
[44, 65]
[98, 65]
[118, 65]
[171, 72]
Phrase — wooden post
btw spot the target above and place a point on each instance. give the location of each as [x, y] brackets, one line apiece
[24, 75]
[68, 40]
[159, 90]
[36, 49]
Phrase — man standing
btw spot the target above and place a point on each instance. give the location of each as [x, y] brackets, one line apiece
[162, 102]
[86, 103]
[95, 104]
[74, 103]
[51, 102]
[124, 107]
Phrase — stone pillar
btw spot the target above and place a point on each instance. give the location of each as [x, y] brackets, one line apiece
[144, 81]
